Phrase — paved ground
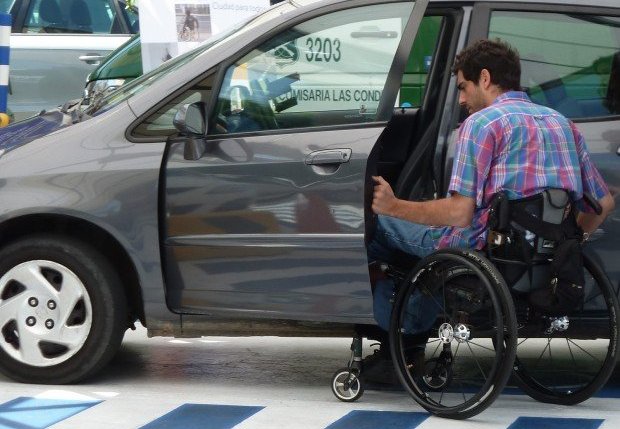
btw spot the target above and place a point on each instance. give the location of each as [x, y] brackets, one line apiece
[255, 383]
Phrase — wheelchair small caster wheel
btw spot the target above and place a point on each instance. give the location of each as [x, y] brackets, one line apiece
[437, 374]
[346, 385]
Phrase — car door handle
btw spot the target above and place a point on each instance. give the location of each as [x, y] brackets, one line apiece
[91, 58]
[618, 151]
[329, 156]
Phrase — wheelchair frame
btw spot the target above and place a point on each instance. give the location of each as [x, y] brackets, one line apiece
[471, 289]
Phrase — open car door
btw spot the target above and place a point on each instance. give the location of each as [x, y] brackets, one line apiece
[269, 221]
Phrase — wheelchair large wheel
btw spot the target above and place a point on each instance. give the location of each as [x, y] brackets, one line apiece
[567, 360]
[463, 304]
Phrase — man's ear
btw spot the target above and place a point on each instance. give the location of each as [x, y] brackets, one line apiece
[485, 79]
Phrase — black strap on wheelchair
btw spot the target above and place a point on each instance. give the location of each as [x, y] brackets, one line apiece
[549, 231]
[503, 211]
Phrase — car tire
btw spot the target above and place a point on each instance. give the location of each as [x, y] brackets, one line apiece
[63, 312]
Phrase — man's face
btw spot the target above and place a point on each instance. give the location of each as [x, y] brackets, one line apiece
[471, 95]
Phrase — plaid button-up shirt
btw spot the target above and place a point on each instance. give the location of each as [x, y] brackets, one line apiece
[520, 147]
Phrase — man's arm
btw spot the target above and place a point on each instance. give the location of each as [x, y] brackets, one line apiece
[457, 210]
[593, 184]
[590, 221]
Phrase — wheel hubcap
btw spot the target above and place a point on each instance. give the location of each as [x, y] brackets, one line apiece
[446, 333]
[45, 313]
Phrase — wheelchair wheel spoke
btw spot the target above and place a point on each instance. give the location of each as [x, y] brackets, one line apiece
[436, 348]
[570, 350]
[477, 362]
[541, 355]
[463, 393]
[521, 342]
[441, 397]
[481, 346]
[585, 351]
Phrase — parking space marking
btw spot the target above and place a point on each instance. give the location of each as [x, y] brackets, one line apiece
[555, 423]
[608, 392]
[203, 416]
[362, 419]
[39, 413]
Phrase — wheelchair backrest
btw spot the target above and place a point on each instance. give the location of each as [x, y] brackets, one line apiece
[530, 228]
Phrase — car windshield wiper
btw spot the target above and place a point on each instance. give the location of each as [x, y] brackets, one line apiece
[96, 103]
[66, 108]
[74, 109]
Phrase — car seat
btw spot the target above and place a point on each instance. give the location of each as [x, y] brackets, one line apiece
[51, 17]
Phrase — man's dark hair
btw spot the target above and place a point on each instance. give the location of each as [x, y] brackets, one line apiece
[498, 57]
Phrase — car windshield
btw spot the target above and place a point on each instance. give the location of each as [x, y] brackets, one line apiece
[137, 85]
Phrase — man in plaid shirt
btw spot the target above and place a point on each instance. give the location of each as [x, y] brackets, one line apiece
[506, 144]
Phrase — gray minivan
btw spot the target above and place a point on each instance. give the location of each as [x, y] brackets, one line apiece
[255, 224]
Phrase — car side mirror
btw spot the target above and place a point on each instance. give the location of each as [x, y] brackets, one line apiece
[190, 120]
[191, 123]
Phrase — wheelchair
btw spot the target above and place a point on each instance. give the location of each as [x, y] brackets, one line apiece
[486, 327]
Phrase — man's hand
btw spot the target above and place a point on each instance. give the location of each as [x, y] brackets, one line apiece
[383, 199]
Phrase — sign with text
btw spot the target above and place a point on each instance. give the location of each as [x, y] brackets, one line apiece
[169, 28]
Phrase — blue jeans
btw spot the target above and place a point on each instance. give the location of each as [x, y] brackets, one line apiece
[393, 234]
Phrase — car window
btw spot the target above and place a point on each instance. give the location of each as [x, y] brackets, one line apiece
[419, 62]
[128, 90]
[570, 63]
[329, 70]
[70, 16]
[5, 5]
[159, 123]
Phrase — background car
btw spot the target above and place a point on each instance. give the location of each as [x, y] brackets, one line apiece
[122, 65]
[56, 43]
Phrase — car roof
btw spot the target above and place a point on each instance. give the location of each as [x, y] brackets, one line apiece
[598, 3]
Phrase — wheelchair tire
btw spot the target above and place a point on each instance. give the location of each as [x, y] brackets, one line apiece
[473, 309]
[570, 366]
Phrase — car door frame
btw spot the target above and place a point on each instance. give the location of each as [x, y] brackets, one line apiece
[481, 18]
[18, 11]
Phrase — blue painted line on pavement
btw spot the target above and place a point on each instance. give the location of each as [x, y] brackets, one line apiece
[608, 392]
[203, 416]
[34, 413]
[554, 423]
[362, 419]
[605, 392]
[5, 54]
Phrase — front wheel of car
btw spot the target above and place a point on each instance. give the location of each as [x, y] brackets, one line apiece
[63, 312]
